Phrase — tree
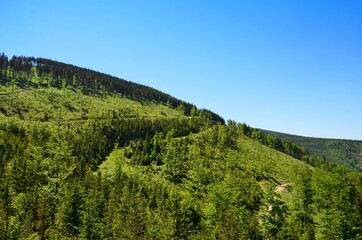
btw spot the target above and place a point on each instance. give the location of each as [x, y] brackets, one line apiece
[302, 196]
[69, 212]
[274, 214]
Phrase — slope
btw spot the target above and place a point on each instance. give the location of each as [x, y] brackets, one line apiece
[347, 152]
[26, 72]
[81, 160]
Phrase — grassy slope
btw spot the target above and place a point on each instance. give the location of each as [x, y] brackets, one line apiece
[275, 166]
[269, 167]
[348, 152]
[50, 104]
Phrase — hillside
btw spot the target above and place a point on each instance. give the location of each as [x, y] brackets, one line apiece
[84, 155]
[347, 152]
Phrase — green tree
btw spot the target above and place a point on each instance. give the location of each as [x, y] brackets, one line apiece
[302, 223]
[69, 212]
[273, 215]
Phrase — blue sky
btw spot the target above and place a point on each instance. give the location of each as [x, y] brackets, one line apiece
[290, 66]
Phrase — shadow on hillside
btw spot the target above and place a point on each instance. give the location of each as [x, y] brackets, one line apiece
[2, 79]
[19, 82]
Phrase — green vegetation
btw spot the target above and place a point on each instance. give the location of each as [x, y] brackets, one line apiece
[80, 160]
[347, 152]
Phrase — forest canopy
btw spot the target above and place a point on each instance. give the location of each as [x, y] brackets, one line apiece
[84, 155]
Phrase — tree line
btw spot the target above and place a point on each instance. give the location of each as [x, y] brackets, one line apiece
[56, 74]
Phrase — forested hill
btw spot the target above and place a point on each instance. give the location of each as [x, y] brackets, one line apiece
[347, 152]
[52, 73]
[84, 155]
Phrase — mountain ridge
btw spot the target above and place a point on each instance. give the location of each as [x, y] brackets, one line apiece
[313, 137]
[345, 151]
[63, 73]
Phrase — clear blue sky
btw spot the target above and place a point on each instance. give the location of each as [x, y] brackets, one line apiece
[290, 66]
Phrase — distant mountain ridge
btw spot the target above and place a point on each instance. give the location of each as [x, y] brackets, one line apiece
[347, 152]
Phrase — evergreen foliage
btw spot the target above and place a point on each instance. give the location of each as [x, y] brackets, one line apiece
[84, 155]
[347, 152]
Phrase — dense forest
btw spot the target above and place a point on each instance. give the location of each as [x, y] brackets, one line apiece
[84, 155]
[347, 152]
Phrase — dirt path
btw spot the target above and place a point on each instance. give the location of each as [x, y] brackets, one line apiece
[283, 188]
